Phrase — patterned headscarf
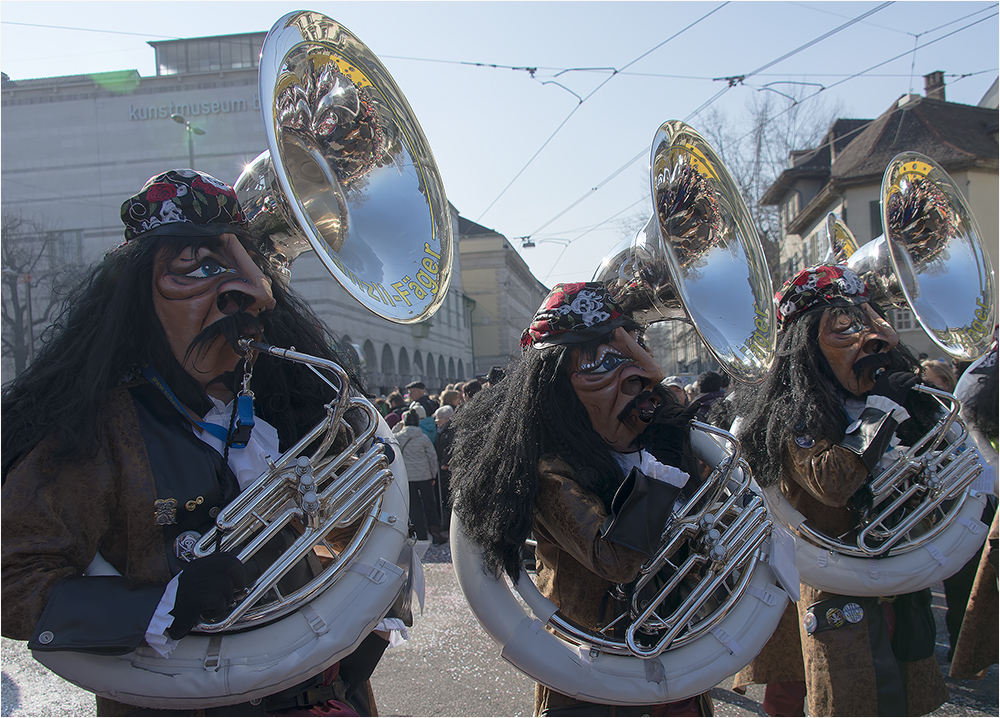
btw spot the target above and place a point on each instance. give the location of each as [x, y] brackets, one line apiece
[184, 202]
[821, 284]
[573, 313]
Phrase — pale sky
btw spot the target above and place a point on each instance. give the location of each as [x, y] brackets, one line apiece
[519, 152]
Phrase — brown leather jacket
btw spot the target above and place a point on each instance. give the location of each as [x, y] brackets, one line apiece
[577, 562]
[57, 515]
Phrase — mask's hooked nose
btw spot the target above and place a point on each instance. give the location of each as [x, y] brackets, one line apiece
[233, 301]
[875, 346]
[635, 385]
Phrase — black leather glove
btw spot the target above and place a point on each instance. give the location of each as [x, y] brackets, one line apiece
[206, 585]
[895, 385]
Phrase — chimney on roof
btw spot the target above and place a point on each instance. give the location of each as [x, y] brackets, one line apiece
[934, 86]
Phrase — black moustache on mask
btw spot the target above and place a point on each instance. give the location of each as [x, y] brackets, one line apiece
[866, 366]
[636, 405]
[232, 329]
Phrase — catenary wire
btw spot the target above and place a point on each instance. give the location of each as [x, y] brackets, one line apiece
[580, 103]
[705, 105]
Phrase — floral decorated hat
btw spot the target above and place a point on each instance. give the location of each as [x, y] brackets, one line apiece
[183, 202]
[820, 285]
[573, 313]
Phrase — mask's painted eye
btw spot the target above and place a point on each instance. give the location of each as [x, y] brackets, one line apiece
[209, 268]
[607, 362]
[851, 327]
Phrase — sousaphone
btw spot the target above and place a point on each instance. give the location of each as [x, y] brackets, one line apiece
[347, 174]
[707, 602]
[924, 522]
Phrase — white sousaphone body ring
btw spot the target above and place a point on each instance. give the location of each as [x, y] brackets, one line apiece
[207, 671]
[907, 572]
[612, 679]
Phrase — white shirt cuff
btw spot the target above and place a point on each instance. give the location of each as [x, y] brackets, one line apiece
[398, 635]
[661, 472]
[156, 631]
[884, 403]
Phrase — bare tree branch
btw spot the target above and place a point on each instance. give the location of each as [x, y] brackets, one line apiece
[34, 270]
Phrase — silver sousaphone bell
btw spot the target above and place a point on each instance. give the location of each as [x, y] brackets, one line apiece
[930, 259]
[349, 175]
[348, 172]
[706, 603]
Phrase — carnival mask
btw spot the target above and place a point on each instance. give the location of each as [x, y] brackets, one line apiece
[854, 341]
[615, 387]
[205, 284]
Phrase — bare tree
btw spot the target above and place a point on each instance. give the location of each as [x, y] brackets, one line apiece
[756, 146]
[35, 269]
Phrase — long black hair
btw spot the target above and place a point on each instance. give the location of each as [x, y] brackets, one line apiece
[982, 405]
[108, 327]
[801, 396]
[501, 435]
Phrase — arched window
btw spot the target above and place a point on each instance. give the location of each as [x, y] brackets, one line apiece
[430, 366]
[370, 355]
[461, 371]
[404, 363]
[451, 369]
[388, 362]
[441, 367]
[418, 364]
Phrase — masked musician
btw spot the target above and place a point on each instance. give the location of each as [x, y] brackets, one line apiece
[124, 438]
[580, 445]
[834, 405]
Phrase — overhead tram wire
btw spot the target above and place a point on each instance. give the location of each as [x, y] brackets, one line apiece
[592, 93]
[876, 66]
[739, 79]
[596, 226]
[87, 29]
[735, 80]
[917, 36]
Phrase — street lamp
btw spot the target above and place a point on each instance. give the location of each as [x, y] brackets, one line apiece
[191, 130]
[529, 243]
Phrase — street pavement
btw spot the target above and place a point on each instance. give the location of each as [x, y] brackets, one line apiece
[449, 667]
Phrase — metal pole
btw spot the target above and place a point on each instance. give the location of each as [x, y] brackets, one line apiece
[190, 135]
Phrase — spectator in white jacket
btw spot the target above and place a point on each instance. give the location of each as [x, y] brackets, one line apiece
[421, 463]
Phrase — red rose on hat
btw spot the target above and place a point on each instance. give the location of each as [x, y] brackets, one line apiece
[212, 189]
[160, 192]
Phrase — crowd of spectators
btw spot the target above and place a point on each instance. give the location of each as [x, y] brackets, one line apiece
[422, 425]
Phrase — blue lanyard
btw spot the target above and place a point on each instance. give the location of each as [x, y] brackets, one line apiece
[244, 412]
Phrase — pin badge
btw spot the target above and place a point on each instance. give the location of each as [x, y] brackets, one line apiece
[835, 617]
[165, 511]
[853, 612]
[184, 545]
[809, 622]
